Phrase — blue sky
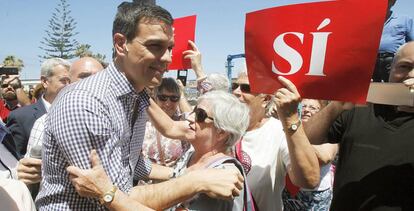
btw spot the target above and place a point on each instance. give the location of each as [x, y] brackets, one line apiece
[219, 31]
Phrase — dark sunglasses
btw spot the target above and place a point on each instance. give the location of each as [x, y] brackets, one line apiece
[200, 115]
[243, 87]
[172, 98]
[4, 86]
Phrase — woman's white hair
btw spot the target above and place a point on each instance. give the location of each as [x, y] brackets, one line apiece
[229, 114]
[218, 81]
[48, 65]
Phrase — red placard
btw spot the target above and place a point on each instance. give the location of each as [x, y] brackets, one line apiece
[327, 49]
[184, 30]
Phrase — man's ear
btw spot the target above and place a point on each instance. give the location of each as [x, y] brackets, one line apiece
[43, 80]
[120, 44]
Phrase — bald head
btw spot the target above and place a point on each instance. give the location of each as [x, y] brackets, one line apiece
[402, 68]
[84, 67]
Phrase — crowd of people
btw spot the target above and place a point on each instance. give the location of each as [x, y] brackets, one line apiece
[125, 138]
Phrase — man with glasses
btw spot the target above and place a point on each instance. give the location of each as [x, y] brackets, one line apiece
[13, 95]
[108, 112]
[270, 149]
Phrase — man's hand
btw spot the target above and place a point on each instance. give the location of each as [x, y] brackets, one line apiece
[29, 170]
[409, 83]
[218, 183]
[92, 182]
[342, 106]
[287, 100]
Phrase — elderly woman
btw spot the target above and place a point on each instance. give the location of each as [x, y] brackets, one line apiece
[318, 198]
[156, 147]
[219, 120]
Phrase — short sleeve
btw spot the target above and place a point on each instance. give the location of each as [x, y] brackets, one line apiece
[284, 152]
[338, 128]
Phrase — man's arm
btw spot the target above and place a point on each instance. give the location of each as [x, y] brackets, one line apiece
[159, 172]
[318, 125]
[216, 183]
[22, 97]
[183, 103]
[166, 126]
[304, 167]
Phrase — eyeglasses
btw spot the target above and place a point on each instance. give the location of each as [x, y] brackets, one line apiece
[173, 98]
[243, 87]
[200, 115]
[310, 108]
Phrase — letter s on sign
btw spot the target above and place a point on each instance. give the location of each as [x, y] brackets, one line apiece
[285, 51]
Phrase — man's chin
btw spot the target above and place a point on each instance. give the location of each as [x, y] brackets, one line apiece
[9, 97]
[155, 82]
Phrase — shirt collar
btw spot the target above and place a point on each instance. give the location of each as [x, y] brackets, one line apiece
[46, 104]
[123, 87]
[121, 84]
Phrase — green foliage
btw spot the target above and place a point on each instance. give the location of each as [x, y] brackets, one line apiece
[59, 41]
[83, 50]
[13, 61]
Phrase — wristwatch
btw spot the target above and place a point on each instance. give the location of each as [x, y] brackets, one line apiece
[294, 126]
[108, 196]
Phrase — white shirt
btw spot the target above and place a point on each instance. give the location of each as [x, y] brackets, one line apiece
[36, 134]
[15, 196]
[46, 104]
[269, 154]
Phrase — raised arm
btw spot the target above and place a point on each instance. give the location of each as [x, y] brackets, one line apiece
[304, 167]
[183, 103]
[166, 126]
[195, 56]
[318, 125]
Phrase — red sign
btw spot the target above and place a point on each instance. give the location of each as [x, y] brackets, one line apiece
[327, 49]
[184, 30]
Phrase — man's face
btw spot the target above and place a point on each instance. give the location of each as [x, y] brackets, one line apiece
[254, 101]
[7, 90]
[57, 81]
[403, 68]
[84, 68]
[148, 54]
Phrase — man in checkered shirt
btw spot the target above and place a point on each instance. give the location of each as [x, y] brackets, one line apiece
[107, 112]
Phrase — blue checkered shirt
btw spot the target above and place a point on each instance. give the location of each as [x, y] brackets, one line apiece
[95, 113]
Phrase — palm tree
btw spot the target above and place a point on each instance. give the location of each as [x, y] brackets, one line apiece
[83, 50]
[13, 61]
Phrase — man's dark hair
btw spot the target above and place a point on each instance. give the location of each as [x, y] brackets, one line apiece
[131, 13]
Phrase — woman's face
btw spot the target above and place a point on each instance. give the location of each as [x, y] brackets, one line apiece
[202, 123]
[309, 108]
[168, 101]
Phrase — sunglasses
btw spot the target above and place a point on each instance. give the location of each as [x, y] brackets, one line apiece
[243, 87]
[4, 86]
[172, 98]
[200, 115]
